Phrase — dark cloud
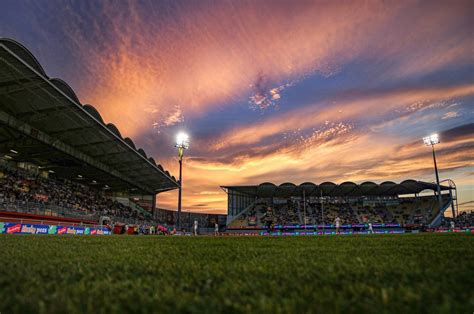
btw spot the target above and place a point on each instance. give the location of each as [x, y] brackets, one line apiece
[465, 131]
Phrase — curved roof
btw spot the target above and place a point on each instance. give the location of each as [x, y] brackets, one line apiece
[286, 190]
[23, 53]
[51, 106]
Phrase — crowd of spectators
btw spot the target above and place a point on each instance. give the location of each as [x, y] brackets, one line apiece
[19, 188]
[170, 218]
[286, 213]
[317, 213]
[463, 220]
[293, 212]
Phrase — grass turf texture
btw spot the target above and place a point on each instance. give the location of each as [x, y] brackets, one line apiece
[424, 273]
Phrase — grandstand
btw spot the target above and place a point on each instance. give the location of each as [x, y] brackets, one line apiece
[311, 206]
[59, 160]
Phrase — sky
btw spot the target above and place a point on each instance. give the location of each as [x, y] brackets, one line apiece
[269, 91]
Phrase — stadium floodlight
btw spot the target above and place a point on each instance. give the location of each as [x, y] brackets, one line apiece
[432, 140]
[13, 151]
[182, 143]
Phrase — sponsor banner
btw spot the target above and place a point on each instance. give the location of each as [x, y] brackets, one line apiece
[278, 233]
[33, 229]
[99, 231]
[16, 228]
[103, 231]
[10, 228]
[343, 226]
[52, 229]
[42, 229]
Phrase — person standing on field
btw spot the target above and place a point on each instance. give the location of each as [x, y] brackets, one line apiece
[371, 230]
[195, 227]
[216, 229]
[337, 222]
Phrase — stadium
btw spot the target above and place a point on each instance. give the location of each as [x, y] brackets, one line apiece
[82, 229]
[309, 208]
[55, 147]
[62, 165]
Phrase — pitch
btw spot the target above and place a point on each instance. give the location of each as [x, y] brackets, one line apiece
[419, 273]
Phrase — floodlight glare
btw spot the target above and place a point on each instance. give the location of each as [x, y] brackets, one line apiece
[431, 140]
[182, 141]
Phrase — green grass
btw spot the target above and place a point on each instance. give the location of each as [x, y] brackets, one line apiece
[424, 273]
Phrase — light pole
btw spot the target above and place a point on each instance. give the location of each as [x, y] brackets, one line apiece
[182, 143]
[432, 140]
[322, 209]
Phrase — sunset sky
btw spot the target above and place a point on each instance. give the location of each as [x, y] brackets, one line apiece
[269, 91]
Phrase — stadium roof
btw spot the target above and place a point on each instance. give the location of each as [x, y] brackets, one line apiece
[387, 188]
[44, 122]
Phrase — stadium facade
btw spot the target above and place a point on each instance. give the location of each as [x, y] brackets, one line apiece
[46, 134]
[313, 206]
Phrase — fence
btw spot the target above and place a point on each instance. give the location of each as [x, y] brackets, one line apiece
[34, 208]
[44, 210]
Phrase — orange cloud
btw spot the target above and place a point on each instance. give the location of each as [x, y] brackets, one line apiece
[202, 56]
[362, 158]
[345, 109]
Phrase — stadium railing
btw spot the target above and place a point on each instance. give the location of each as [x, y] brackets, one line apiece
[47, 222]
[131, 221]
[59, 211]
[44, 210]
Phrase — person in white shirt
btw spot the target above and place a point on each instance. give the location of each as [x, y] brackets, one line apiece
[371, 230]
[195, 227]
[337, 222]
[216, 229]
[451, 225]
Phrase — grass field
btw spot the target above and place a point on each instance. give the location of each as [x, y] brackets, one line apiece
[424, 273]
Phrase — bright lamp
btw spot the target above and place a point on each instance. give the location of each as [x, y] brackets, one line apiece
[182, 141]
[431, 140]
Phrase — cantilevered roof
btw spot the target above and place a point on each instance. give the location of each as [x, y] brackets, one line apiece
[309, 189]
[42, 118]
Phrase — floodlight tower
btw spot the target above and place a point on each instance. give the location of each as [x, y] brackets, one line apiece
[182, 143]
[432, 140]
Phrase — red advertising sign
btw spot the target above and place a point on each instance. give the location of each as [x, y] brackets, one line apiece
[14, 229]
